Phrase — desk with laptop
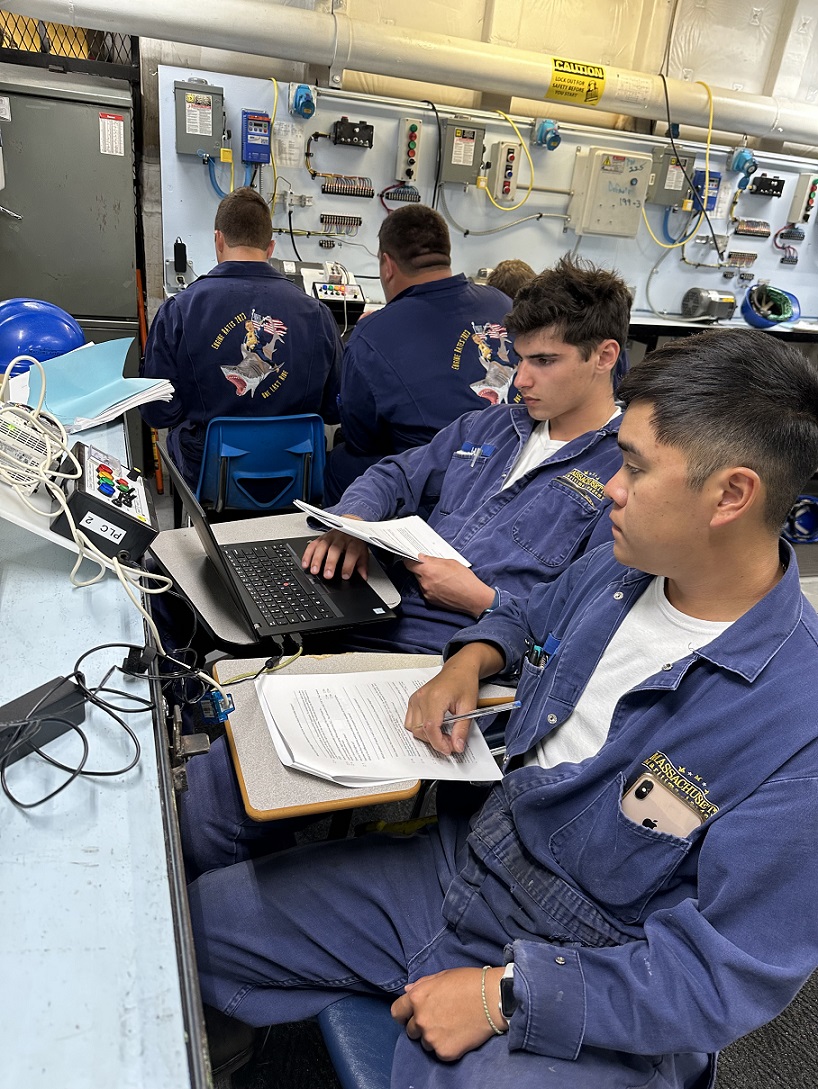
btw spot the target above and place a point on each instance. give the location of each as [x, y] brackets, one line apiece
[246, 581]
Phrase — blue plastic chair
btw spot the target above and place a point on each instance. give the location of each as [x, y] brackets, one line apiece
[263, 463]
[360, 1035]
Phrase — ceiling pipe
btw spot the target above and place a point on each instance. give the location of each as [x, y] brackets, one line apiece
[273, 29]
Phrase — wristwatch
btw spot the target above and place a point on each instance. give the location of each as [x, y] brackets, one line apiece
[508, 1003]
[494, 604]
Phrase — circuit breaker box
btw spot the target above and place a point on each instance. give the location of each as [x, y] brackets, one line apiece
[462, 150]
[199, 117]
[609, 191]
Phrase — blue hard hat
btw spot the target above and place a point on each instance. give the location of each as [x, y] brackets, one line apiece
[801, 526]
[765, 306]
[36, 328]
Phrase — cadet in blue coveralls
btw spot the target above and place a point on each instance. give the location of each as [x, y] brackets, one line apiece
[240, 341]
[555, 939]
[517, 489]
[439, 348]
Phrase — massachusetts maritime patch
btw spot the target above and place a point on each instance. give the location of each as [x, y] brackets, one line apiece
[686, 785]
[588, 485]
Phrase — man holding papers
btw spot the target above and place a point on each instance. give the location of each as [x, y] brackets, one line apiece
[517, 490]
[631, 897]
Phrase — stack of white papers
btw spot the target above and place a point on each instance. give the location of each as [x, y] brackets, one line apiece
[407, 537]
[85, 387]
[348, 728]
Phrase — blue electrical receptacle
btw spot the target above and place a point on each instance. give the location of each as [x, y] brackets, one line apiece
[302, 100]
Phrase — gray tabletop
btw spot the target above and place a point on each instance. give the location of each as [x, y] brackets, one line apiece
[88, 953]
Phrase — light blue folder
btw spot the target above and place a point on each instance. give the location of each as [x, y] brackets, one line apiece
[88, 381]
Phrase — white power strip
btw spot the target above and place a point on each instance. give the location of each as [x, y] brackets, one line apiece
[23, 450]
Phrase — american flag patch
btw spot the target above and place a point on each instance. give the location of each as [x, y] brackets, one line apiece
[273, 326]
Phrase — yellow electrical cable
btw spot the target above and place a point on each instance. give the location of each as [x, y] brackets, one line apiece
[514, 207]
[706, 186]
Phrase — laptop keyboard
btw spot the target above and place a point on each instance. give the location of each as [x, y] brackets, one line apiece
[269, 574]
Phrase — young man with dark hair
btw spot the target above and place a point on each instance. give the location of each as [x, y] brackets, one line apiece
[517, 489]
[240, 341]
[634, 895]
[436, 350]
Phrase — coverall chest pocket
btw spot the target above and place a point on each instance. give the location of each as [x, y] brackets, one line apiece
[555, 522]
[464, 471]
[616, 861]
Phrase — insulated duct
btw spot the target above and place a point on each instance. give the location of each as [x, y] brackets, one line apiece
[271, 29]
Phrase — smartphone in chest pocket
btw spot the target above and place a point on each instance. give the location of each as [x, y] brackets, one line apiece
[650, 803]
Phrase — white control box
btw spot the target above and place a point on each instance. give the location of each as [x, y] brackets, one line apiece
[505, 166]
[408, 144]
[609, 191]
[803, 199]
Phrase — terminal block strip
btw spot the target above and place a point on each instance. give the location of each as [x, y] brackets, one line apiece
[741, 258]
[347, 187]
[340, 224]
[754, 228]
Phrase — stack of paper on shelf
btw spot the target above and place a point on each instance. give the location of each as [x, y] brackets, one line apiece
[408, 537]
[85, 387]
[348, 728]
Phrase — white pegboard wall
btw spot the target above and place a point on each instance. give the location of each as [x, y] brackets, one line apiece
[482, 235]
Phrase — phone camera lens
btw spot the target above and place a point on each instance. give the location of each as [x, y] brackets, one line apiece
[644, 789]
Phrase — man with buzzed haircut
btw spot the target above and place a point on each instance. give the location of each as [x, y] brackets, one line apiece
[438, 349]
[240, 341]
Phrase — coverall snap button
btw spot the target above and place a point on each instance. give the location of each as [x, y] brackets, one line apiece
[559, 960]
[552, 719]
[667, 666]
[618, 595]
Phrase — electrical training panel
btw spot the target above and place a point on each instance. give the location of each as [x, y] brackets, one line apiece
[333, 164]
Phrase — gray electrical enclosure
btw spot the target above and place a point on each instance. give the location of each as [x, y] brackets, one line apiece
[199, 113]
[462, 150]
[668, 185]
[70, 175]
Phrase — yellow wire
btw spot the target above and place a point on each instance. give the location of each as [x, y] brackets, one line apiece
[272, 200]
[706, 186]
[681, 241]
[514, 207]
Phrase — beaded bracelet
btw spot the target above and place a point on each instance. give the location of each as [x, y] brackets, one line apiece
[497, 1031]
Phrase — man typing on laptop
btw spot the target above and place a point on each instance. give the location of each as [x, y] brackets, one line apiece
[516, 489]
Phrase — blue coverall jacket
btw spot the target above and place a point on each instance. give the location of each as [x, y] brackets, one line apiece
[435, 351]
[655, 944]
[514, 539]
[240, 341]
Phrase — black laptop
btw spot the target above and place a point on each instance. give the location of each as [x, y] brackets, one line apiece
[265, 579]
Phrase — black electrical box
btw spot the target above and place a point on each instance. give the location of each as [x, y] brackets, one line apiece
[352, 133]
[54, 707]
[765, 186]
[110, 504]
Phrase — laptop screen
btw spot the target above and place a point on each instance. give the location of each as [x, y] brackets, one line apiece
[198, 519]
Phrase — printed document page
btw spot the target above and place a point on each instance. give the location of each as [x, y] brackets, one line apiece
[407, 537]
[348, 727]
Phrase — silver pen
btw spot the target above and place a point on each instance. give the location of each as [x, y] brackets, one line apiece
[479, 712]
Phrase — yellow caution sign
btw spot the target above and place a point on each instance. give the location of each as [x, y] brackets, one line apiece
[576, 82]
